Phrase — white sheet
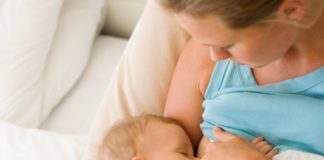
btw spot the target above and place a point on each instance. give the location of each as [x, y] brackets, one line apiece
[297, 155]
[18, 143]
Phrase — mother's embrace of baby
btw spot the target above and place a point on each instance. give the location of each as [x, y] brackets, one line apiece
[252, 67]
[257, 68]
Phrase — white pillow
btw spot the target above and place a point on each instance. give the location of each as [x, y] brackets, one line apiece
[18, 143]
[26, 30]
[141, 79]
[79, 22]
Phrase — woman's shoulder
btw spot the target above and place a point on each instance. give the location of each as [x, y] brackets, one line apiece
[205, 77]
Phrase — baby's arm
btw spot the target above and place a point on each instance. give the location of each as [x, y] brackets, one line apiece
[264, 147]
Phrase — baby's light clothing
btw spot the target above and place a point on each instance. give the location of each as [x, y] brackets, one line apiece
[289, 114]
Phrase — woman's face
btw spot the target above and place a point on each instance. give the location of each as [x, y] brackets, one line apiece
[255, 46]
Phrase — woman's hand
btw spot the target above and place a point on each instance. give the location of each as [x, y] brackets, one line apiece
[231, 147]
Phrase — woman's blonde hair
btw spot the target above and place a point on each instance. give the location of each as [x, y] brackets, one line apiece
[242, 13]
[122, 141]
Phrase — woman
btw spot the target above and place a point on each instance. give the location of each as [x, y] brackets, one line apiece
[278, 39]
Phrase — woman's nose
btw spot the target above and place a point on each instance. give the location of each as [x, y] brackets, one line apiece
[217, 54]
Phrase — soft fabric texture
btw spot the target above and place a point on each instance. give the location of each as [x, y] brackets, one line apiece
[18, 143]
[80, 21]
[86, 95]
[289, 114]
[297, 155]
[141, 79]
[27, 29]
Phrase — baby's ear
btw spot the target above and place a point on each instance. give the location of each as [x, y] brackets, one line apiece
[137, 158]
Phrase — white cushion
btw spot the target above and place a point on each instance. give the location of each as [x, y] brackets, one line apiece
[17, 143]
[76, 112]
[141, 79]
[79, 22]
[26, 30]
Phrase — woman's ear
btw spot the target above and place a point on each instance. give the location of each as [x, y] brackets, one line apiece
[293, 10]
[137, 158]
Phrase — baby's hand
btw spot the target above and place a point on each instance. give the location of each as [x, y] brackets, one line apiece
[263, 146]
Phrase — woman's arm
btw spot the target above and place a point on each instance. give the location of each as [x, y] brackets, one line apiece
[184, 101]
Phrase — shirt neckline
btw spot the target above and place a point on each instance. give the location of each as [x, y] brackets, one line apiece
[293, 85]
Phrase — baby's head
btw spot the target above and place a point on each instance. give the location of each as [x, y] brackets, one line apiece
[146, 137]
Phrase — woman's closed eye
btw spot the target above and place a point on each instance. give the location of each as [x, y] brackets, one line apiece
[183, 151]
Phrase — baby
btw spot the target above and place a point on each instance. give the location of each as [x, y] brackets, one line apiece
[150, 137]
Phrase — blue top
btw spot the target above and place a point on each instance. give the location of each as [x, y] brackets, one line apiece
[289, 114]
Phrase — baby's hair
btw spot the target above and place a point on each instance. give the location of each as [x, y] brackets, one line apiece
[122, 140]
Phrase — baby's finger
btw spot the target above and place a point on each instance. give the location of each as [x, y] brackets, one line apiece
[266, 149]
[261, 144]
[257, 140]
[272, 153]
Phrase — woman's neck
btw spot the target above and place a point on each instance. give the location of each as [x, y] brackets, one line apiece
[308, 51]
[310, 41]
[305, 56]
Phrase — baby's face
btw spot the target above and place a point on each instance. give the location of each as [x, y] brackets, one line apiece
[167, 141]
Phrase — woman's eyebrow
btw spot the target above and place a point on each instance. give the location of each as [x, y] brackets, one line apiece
[217, 46]
[209, 45]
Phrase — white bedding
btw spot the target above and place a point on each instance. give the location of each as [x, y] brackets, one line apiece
[297, 155]
[18, 143]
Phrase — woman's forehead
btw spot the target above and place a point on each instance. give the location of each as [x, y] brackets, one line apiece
[207, 29]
